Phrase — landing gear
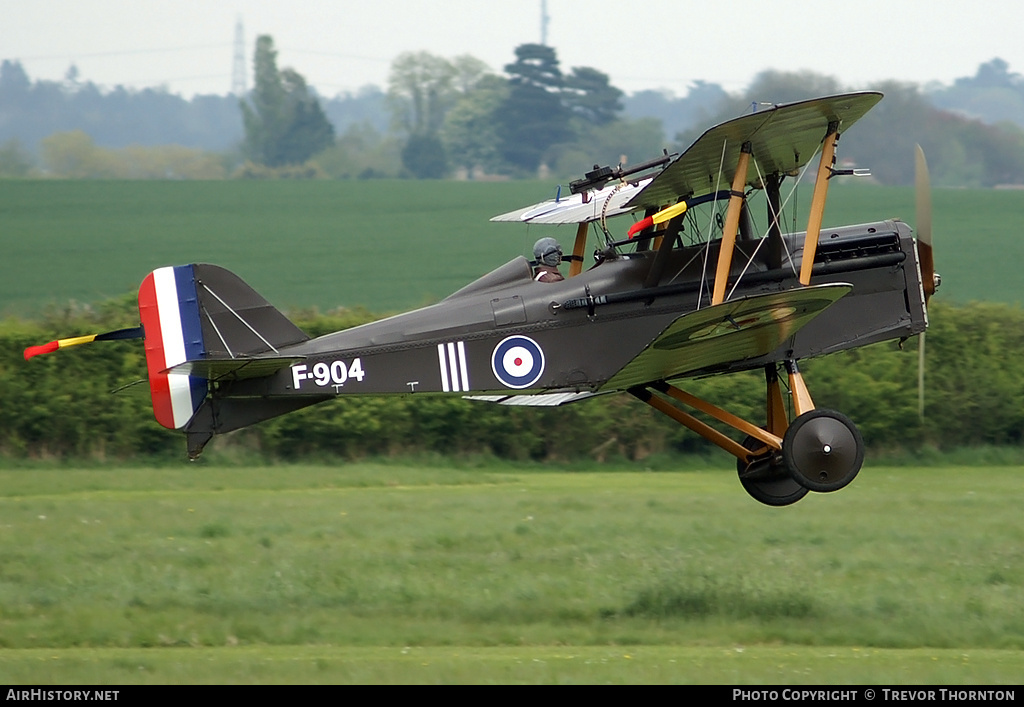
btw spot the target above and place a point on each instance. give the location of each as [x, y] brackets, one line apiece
[766, 478]
[823, 450]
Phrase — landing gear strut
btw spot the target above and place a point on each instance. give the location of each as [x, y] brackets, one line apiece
[821, 450]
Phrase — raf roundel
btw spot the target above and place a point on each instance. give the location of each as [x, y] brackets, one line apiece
[518, 362]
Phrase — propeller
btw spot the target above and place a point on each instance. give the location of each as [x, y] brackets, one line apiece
[929, 278]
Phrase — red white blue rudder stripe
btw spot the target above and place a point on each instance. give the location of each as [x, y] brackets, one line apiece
[169, 309]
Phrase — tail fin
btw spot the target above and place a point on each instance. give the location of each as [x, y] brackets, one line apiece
[196, 313]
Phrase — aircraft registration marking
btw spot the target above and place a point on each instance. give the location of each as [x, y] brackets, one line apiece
[323, 374]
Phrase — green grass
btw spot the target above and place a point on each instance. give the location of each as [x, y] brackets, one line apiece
[639, 665]
[384, 245]
[393, 573]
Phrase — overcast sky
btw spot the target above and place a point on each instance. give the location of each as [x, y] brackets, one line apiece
[187, 46]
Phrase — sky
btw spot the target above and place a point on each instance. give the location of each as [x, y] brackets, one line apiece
[188, 47]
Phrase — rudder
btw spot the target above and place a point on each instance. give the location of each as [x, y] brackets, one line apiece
[169, 310]
[202, 312]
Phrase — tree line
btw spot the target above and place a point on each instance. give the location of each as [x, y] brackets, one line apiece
[61, 405]
[453, 117]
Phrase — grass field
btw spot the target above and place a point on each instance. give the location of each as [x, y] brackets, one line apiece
[384, 245]
[495, 573]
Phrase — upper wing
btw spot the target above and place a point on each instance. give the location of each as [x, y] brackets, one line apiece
[783, 139]
[607, 202]
[733, 331]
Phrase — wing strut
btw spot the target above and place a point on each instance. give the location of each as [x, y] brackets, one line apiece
[828, 159]
[576, 266]
[732, 223]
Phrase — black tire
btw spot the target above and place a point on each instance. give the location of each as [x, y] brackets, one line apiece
[823, 450]
[767, 480]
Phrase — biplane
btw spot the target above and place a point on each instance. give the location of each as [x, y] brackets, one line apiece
[687, 288]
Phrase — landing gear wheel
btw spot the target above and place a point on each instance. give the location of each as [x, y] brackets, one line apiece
[823, 450]
[767, 480]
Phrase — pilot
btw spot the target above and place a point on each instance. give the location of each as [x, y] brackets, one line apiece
[548, 254]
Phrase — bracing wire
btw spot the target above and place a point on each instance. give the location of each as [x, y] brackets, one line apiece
[707, 246]
[239, 318]
[764, 236]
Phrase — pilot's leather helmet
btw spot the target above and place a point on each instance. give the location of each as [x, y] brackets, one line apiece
[548, 252]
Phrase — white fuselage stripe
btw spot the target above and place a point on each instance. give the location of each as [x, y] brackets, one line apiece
[453, 364]
[463, 367]
[451, 359]
[443, 364]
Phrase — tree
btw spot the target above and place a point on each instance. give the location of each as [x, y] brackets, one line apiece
[367, 106]
[361, 152]
[994, 94]
[74, 155]
[421, 88]
[469, 73]
[635, 140]
[115, 118]
[536, 65]
[13, 78]
[768, 87]
[435, 104]
[590, 97]
[284, 123]
[425, 157]
[15, 161]
[470, 131]
[678, 114]
[993, 74]
[532, 118]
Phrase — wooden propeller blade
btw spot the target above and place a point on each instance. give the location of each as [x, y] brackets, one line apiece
[923, 204]
[920, 376]
[923, 201]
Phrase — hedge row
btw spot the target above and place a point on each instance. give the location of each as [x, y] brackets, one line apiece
[61, 405]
